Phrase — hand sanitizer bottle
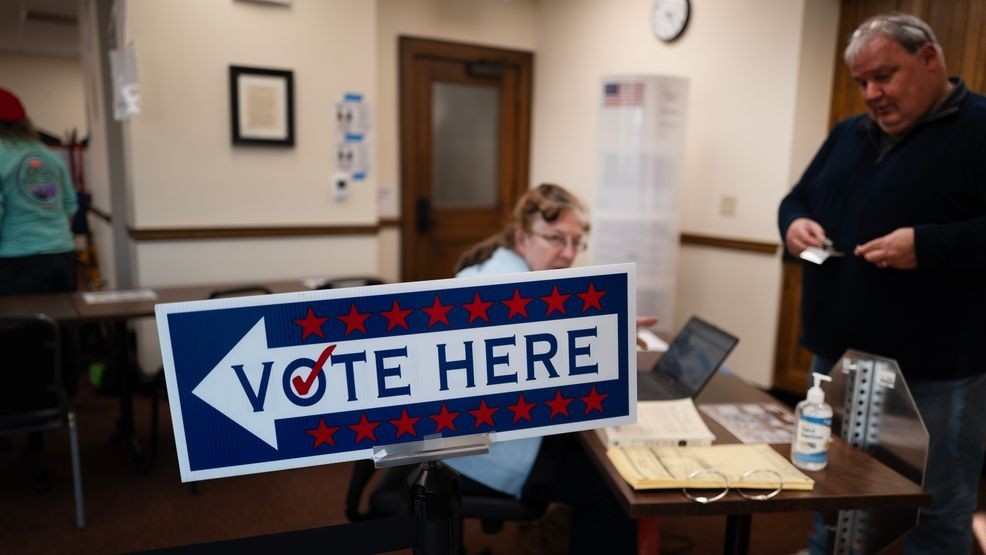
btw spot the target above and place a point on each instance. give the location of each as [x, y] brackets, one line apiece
[813, 430]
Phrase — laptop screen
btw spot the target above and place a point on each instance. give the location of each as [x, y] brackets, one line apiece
[696, 353]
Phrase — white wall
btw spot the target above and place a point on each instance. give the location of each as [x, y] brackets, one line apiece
[759, 73]
[759, 76]
[183, 170]
[51, 89]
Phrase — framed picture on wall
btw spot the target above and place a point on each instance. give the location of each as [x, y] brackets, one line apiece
[262, 106]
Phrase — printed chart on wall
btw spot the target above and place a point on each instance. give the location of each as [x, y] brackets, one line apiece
[639, 145]
[284, 381]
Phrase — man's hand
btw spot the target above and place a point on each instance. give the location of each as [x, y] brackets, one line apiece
[803, 233]
[894, 250]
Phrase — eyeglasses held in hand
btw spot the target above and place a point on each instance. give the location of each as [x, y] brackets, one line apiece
[560, 241]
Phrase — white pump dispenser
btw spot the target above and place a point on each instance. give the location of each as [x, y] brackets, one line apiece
[813, 430]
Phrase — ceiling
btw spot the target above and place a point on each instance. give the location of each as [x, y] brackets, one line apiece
[46, 27]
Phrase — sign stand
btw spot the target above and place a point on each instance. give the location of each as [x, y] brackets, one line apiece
[434, 495]
[431, 448]
[435, 499]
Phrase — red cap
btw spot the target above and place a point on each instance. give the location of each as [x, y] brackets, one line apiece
[11, 108]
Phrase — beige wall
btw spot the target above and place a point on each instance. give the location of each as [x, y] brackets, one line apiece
[183, 171]
[759, 73]
[759, 76]
[51, 89]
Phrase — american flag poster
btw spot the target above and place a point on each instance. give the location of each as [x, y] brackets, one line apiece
[273, 382]
[618, 94]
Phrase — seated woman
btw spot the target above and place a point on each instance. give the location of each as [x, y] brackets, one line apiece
[547, 229]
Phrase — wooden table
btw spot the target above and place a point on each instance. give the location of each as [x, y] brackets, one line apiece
[67, 308]
[58, 306]
[852, 480]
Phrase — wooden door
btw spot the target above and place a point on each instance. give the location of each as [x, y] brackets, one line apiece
[465, 136]
[960, 26]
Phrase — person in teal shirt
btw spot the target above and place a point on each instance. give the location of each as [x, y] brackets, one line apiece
[37, 199]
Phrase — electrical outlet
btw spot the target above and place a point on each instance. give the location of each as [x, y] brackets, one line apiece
[727, 206]
[341, 185]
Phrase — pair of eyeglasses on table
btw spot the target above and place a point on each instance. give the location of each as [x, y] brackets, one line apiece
[708, 473]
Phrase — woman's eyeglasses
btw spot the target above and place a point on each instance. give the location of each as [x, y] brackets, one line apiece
[560, 241]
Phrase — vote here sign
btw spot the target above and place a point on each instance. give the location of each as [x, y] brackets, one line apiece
[271, 382]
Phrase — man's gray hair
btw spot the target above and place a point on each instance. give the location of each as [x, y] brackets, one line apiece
[910, 32]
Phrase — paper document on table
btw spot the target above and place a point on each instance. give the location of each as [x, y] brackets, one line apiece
[669, 467]
[660, 423]
[119, 296]
[753, 422]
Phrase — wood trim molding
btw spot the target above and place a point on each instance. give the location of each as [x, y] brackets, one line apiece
[745, 245]
[175, 234]
[178, 234]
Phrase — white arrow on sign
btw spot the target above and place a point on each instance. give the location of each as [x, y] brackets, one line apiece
[224, 390]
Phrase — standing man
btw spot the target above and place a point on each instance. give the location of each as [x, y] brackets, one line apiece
[901, 191]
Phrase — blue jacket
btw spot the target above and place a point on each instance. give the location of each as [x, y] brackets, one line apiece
[932, 320]
[508, 464]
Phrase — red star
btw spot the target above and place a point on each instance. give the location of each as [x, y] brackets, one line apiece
[405, 424]
[555, 301]
[522, 409]
[444, 419]
[477, 308]
[517, 305]
[311, 324]
[396, 316]
[594, 400]
[355, 320]
[484, 414]
[591, 298]
[364, 430]
[559, 405]
[322, 434]
[437, 313]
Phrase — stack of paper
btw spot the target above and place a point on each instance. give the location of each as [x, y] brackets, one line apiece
[660, 423]
[670, 467]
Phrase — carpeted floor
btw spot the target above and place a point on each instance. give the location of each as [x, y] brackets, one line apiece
[127, 512]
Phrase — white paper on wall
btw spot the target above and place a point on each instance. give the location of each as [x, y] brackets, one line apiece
[353, 153]
[126, 92]
[639, 143]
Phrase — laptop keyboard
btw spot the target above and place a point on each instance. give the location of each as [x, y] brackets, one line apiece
[650, 389]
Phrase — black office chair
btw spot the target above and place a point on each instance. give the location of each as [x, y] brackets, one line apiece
[338, 283]
[34, 397]
[389, 497]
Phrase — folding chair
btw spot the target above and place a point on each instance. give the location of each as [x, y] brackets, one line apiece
[34, 397]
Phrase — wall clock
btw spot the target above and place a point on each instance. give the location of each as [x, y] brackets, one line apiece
[669, 18]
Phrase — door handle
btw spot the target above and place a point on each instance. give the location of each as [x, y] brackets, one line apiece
[423, 214]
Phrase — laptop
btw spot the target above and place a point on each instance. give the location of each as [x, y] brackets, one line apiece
[691, 360]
